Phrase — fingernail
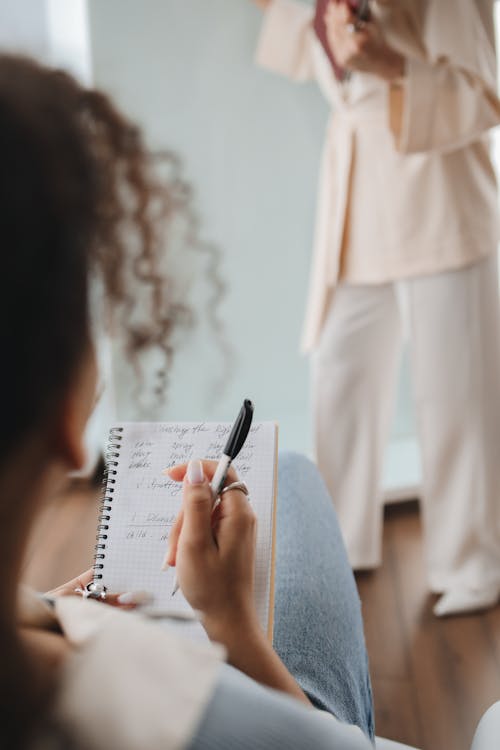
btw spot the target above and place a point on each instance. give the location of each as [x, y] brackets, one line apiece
[194, 472]
[135, 597]
[166, 472]
[165, 564]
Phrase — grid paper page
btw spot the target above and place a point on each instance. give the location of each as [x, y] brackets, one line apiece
[145, 503]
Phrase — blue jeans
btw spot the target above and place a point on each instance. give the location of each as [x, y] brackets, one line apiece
[318, 633]
[318, 625]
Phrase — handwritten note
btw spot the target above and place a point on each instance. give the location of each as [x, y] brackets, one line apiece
[145, 503]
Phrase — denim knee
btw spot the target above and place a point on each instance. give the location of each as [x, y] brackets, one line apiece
[294, 464]
[300, 481]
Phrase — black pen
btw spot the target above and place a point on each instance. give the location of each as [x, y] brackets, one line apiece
[234, 444]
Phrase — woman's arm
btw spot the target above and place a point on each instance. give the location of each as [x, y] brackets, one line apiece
[441, 107]
[434, 105]
[450, 100]
[214, 555]
[286, 39]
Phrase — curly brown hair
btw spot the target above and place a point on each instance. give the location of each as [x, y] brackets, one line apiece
[81, 199]
[80, 196]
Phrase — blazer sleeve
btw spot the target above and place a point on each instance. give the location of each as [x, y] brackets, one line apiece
[441, 107]
[286, 39]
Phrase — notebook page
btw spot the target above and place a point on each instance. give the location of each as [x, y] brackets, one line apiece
[145, 503]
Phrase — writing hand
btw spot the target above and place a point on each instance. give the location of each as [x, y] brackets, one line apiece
[214, 554]
[214, 551]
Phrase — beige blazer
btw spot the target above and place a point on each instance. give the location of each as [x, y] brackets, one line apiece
[407, 186]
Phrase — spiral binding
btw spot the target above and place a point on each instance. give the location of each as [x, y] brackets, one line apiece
[111, 457]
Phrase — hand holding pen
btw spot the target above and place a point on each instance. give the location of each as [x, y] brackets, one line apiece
[194, 475]
[214, 554]
[215, 558]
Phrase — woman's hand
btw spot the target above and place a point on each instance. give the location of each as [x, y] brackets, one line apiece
[361, 48]
[214, 552]
[262, 4]
[214, 555]
[128, 600]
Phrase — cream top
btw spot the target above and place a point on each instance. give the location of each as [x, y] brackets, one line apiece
[407, 185]
[130, 683]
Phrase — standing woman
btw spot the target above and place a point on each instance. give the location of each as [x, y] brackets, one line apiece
[408, 214]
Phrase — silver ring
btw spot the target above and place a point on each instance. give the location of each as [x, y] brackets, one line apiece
[351, 28]
[93, 590]
[236, 486]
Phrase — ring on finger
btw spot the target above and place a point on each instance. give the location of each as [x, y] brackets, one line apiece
[93, 590]
[236, 486]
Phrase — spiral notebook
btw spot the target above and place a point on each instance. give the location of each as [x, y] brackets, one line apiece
[140, 505]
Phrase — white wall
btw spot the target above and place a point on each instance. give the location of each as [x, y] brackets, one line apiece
[23, 27]
[67, 26]
[52, 31]
[251, 145]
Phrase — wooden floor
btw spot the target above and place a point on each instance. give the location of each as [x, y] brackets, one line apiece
[432, 679]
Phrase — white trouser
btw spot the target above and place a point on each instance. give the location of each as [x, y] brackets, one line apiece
[455, 356]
